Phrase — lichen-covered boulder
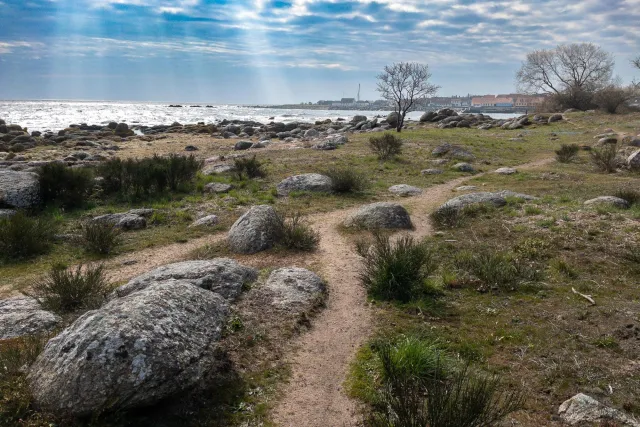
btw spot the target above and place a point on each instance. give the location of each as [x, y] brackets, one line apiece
[506, 171]
[405, 190]
[461, 202]
[293, 286]
[20, 316]
[608, 200]
[380, 215]
[125, 221]
[582, 409]
[463, 167]
[19, 190]
[312, 182]
[132, 352]
[205, 221]
[223, 276]
[257, 230]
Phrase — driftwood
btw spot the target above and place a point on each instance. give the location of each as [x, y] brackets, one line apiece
[587, 297]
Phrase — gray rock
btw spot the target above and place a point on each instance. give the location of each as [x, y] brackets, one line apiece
[633, 161]
[392, 119]
[608, 140]
[145, 212]
[257, 230]
[428, 116]
[506, 171]
[19, 190]
[217, 187]
[243, 145]
[311, 133]
[508, 194]
[441, 149]
[132, 352]
[292, 286]
[20, 316]
[313, 182]
[223, 276]
[463, 167]
[431, 171]
[555, 118]
[358, 119]
[7, 213]
[380, 215]
[190, 148]
[608, 200]
[582, 408]
[123, 130]
[405, 190]
[206, 221]
[466, 188]
[465, 200]
[125, 221]
[215, 169]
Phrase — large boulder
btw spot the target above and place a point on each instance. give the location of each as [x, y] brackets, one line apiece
[20, 316]
[258, 229]
[392, 119]
[555, 118]
[19, 189]
[132, 352]
[633, 161]
[582, 409]
[293, 286]
[223, 276]
[122, 129]
[428, 116]
[313, 182]
[380, 215]
[358, 119]
[243, 145]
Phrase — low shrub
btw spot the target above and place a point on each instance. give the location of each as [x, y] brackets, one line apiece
[395, 271]
[436, 395]
[22, 236]
[386, 146]
[346, 180]
[454, 217]
[604, 158]
[567, 152]
[69, 187]
[495, 269]
[297, 234]
[629, 194]
[66, 290]
[251, 167]
[100, 238]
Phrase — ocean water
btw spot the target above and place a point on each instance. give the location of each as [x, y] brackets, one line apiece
[55, 115]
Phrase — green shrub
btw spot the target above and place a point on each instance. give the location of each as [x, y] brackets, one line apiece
[604, 158]
[100, 237]
[495, 269]
[629, 194]
[346, 180]
[69, 187]
[567, 152]
[386, 146]
[66, 290]
[297, 234]
[448, 217]
[442, 397]
[22, 236]
[251, 167]
[395, 271]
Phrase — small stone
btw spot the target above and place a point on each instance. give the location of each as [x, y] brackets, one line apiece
[431, 171]
[506, 171]
[463, 167]
[608, 200]
[207, 221]
[217, 188]
[405, 190]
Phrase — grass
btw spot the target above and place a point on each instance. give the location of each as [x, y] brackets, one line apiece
[23, 237]
[250, 167]
[100, 238]
[347, 180]
[68, 290]
[297, 234]
[567, 152]
[386, 146]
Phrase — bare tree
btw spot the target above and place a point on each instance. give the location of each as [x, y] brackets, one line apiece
[573, 72]
[405, 84]
[636, 62]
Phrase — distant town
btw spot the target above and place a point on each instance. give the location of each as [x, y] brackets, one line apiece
[470, 103]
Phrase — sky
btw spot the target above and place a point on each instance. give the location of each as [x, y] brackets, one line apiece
[288, 51]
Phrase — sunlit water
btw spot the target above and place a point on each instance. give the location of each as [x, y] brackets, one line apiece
[55, 115]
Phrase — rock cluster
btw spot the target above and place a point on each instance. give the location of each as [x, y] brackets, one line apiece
[448, 118]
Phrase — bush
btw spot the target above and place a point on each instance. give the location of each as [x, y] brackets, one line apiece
[67, 186]
[630, 195]
[251, 167]
[346, 180]
[610, 98]
[386, 146]
[434, 397]
[567, 152]
[397, 271]
[296, 234]
[448, 217]
[66, 290]
[99, 237]
[23, 237]
[604, 158]
[139, 178]
[495, 269]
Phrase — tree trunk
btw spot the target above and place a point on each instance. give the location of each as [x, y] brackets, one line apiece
[400, 121]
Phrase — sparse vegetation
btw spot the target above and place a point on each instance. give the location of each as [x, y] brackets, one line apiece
[386, 146]
[567, 152]
[100, 238]
[250, 167]
[346, 180]
[604, 158]
[297, 234]
[22, 236]
[67, 290]
[395, 271]
[68, 187]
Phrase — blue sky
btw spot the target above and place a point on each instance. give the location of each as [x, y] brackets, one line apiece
[277, 51]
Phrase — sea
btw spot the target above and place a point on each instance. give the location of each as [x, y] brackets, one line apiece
[54, 115]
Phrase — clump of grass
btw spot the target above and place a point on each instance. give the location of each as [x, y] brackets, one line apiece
[564, 268]
[100, 238]
[495, 269]
[435, 396]
[346, 180]
[297, 234]
[567, 152]
[22, 236]
[629, 194]
[448, 217]
[66, 290]
[249, 167]
[386, 146]
[604, 158]
[395, 271]
[69, 187]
